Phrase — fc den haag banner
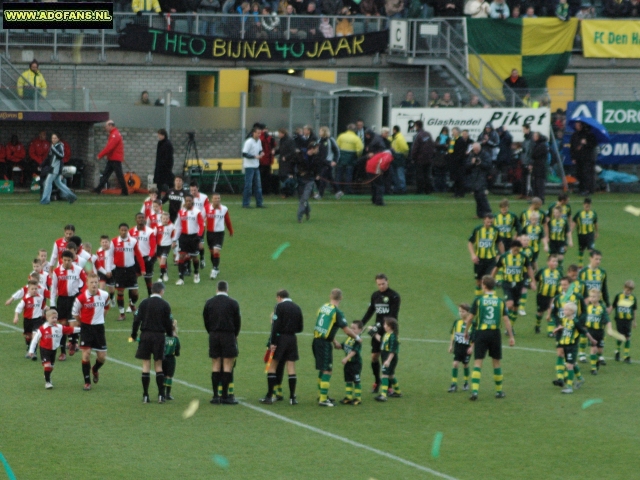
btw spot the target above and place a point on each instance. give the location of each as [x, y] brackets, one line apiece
[611, 38]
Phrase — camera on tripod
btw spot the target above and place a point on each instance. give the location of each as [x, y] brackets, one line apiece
[192, 136]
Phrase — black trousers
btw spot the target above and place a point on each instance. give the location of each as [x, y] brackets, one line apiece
[265, 178]
[482, 203]
[113, 166]
[586, 172]
[457, 174]
[424, 178]
[377, 188]
[538, 184]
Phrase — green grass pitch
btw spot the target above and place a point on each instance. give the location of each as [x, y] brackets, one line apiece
[420, 243]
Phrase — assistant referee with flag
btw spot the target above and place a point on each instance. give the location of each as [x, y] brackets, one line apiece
[154, 319]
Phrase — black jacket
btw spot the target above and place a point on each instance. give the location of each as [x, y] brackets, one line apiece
[375, 144]
[505, 153]
[383, 304]
[539, 156]
[423, 148]
[153, 315]
[287, 320]
[287, 151]
[163, 173]
[580, 152]
[222, 314]
[459, 155]
[308, 167]
[478, 171]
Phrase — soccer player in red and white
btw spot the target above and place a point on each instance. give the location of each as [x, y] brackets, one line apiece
[60, 246]
[147, 206]
[201, 202]
[189, 230]
[82, 258]
[42, 256]
[121, 259]
[165, 237]
[67, 281]
[31, 306]
[105, 277]
[43, 277]
[155, 219]
[49, 336]
[20, 293]
[88, 311]
[217, 216]
[146, 237]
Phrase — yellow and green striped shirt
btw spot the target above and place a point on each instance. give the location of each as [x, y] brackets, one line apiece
[514, 266]
[597, 317]
[566, 210]
[562, 299]
[535, 234]
[570, 330]
[585, 221]
[457, 332]
[548, 282]
[595, 279]
[526, 216]
[484, 242]
[488, 311]
[506, 224]
[558, 229]
[625, 306]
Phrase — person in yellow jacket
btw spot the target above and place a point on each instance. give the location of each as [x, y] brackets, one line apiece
[400, 153]
[351, 148]
[140, 6]
[31, 81]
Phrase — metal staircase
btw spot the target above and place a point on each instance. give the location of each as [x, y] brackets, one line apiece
[9, 98]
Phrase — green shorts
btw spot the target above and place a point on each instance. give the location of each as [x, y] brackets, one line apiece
[391, 370]
[323, 353]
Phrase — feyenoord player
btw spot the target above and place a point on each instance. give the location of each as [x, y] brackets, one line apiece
[88, 311]
[121, 258]
[43, 277]
[20, 293]
[189, 230]
[82, 257]
[67, 280]
[106, 278]
[31, 306]
[42, 255]
[49, 336]
[146, 237]
[217, 219]
[147, 206]
[201, 202]
[165, 238]
[155, 218]
[60, 246]
[384, 303]
[175, 197]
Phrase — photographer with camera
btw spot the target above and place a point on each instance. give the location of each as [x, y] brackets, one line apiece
[478, 167]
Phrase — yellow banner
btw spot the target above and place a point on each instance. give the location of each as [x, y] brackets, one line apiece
[611, 38]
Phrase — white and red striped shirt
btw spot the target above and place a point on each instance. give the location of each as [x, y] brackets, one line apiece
[146, 240]
[217, 218]
[49, 336]
[82, 258]
[147, 207]
[46, 267]
[90, 309]
[67, 283]
[19, 295]
[200, 201]
[31, 306]
[59, 246]
[165, 234]
[99, 262]
[190, 222]
[123, 253]
[43, 282]
[154, 220]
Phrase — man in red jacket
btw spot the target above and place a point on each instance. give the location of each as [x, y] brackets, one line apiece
[114, 151]
[38, 153]
[268, 148]
[376, 167]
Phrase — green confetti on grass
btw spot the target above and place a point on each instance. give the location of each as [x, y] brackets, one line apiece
[221, 461]
[437, 441]
[279, 251]
[452, 306]
[593, 401]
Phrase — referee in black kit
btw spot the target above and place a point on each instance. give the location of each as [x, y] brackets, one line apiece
[287, 320]
[222, 320]
[154, 319]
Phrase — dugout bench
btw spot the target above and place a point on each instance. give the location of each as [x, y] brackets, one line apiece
[204, 172]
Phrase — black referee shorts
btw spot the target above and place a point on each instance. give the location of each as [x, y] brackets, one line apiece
[151, 343]
[223, 345]
[287, 349]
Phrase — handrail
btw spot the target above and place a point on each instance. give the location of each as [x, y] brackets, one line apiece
[14, 80]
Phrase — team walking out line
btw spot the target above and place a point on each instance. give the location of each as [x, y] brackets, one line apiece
[81, 286]
[504, 251]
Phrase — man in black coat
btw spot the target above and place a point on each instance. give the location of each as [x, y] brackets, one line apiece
[583, 156]
[422, 152]
[287, 320]
[457, 160]
[539, 157]
[153, 318]
[478, 167]
[287, 151]
[163, 173]
[222, 321]
[307, 169]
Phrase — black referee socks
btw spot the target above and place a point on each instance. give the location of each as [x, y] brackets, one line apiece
[146, 379]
